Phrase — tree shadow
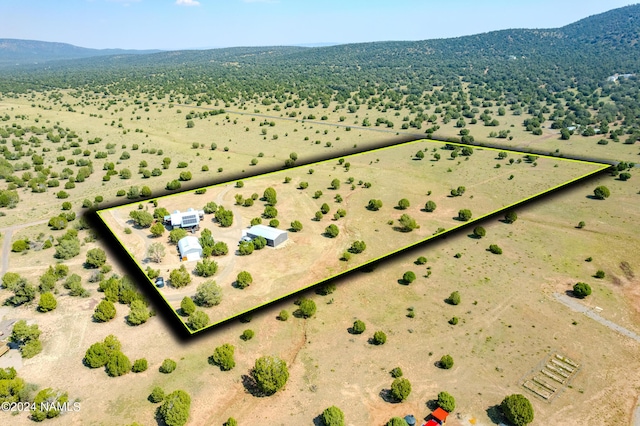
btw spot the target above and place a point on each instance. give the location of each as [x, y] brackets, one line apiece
[401, 229]
[251, 387]
[432, 404]
[386, 396]
[593, 197]
[403, 282]
[495, 415]
[474, 236]
[318, 421]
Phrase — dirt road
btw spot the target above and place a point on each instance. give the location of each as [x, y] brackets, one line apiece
[579, 307]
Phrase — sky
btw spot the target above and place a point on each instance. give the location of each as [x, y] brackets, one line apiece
[195, 24]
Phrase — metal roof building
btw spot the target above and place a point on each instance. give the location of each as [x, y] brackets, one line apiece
[190, 248]
[274, 236]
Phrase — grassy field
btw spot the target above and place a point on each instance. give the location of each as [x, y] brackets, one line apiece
[509, 320]
[393, 173]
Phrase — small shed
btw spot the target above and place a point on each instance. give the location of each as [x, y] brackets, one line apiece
[189, 219]
[432, 422]
[190, 248]
[440, 415]
[274, 236]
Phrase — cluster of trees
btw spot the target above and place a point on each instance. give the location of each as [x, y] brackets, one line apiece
[175, 408]
[108, 354]
[27, 338]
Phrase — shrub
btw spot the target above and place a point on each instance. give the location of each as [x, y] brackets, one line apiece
[409, 277]
[96, 258]
[180, 277]
[493, 248]
[581, 224]
[19, 246]
[331, 231]
[223, 357]
[157, 229]
[581, 290]
[464, 215]
[359, 327]
[168, 365]
[453, 321]
[396, 372]
[270, 374]
[48, 404]
[139, 365]
[244, 279]
[421, 260]
[198, 320]
[206, 268]
[296, 226]
[454, 298]
[307, 308]
[510, 217]
[446, 402]
[187, 306]
[400, 389]
[105, 311]
[479, 232]
[58, 222]
[517, 409]
[157, 395]
[176, 235]
[208, 294]
[47, 302]
[139, 314]
[374, 205]
[247, 335]
[403, 204]
[407, 223]
[601, 192]
[398, 421]
[231, 422]
[96, 356]
[357, 247]
[446, 362]
[599, 274]
[430, 206]
[174, 411]
[333, 416]
[118, 364]
[245, 248]
[283, 315]
[379, 338]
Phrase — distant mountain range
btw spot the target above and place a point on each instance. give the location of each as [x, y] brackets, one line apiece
[583, 53]
[15, 52]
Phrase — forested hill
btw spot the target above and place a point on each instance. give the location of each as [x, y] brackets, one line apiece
[580, 55]
[13, 51]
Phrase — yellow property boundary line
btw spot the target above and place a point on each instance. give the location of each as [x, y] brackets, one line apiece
[601, 167]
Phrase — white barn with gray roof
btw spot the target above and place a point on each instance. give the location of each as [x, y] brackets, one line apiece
[274, 236]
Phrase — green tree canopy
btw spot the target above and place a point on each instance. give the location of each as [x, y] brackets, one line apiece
[270, 374]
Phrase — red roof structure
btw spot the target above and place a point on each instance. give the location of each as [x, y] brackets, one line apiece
[431, 423]
[440, 414]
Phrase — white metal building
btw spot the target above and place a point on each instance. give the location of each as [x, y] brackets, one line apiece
[274, 236]
[189, 219]
[190, 248]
